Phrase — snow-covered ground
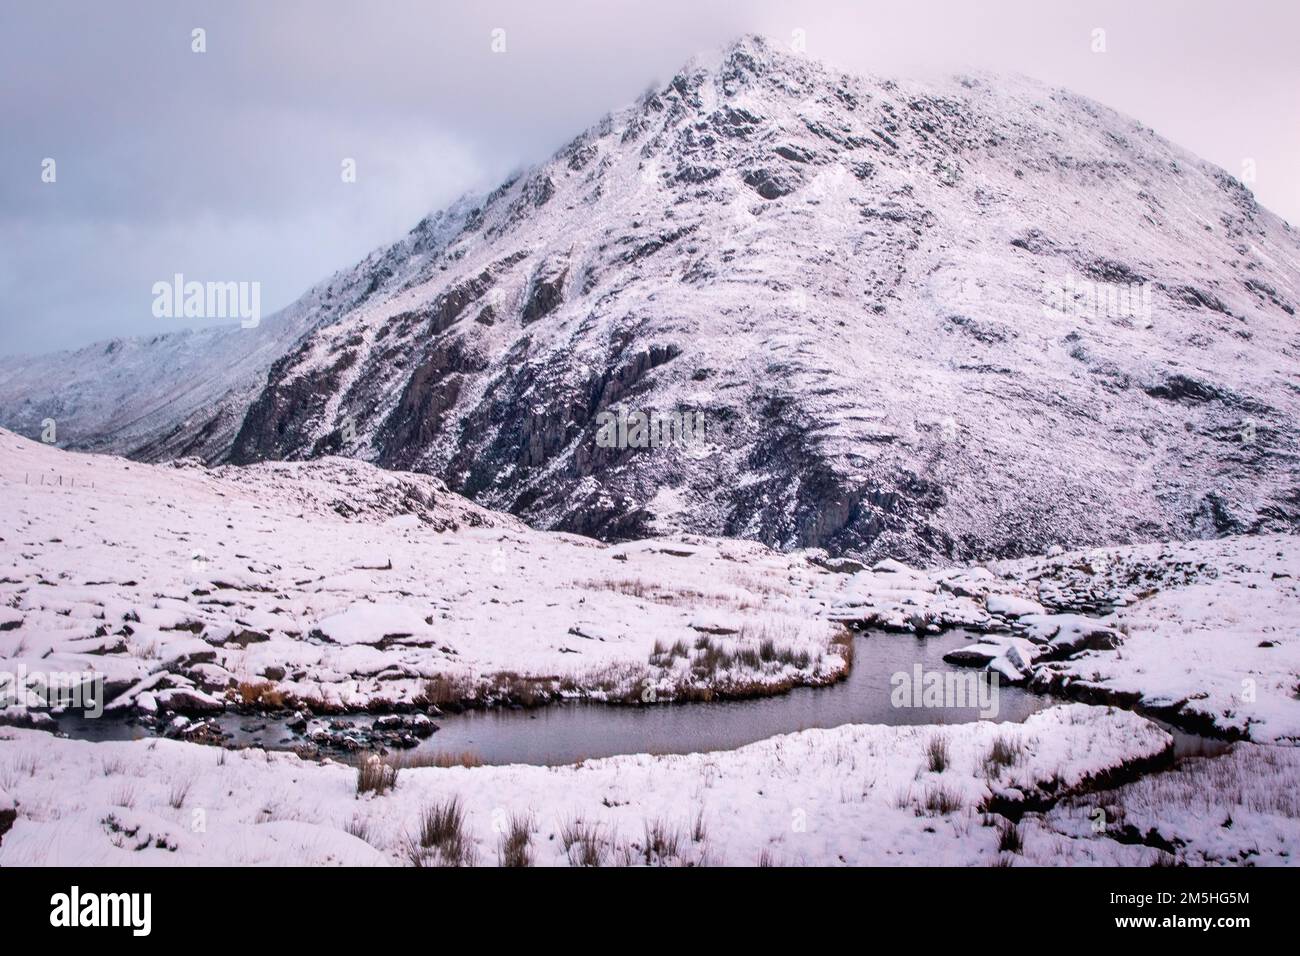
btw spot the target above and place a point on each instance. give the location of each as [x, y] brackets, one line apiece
[1236, 808]
[345, 586]
[1203, 633]
[342, 586]
[855, 794]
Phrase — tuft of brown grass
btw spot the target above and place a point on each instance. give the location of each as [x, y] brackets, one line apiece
[937, 756]
[582, 842]
[1005, 752]
[699, 831]
[842, 643]
[359, 827]
[375, 776]
[525, 691]
[711, 656]
[516, 848]
[441, 759]
[940, 800]
[442, 691]
[659, 594]
[260, 694]
[1009, 838]
[179, 791]
[26, 765]
[662, 654]
[442, 822]
[441, 837]
[112, 766]
[662, 843]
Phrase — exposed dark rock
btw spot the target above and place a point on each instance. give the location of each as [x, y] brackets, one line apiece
[277, 423]
[1214, 518]
[1108, 270]
[1202, 299]
[1183, 388]
[1034, 241]
[546, 291]
[429, 394]
[770, 183]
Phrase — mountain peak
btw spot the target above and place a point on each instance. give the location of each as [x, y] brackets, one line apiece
[895, 305]
[756, 49]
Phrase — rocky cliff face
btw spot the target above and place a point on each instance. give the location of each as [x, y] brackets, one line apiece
[941, 321]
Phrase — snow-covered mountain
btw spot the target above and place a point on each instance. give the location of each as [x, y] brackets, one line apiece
[152, 397]
[929, 320]
[185, 393]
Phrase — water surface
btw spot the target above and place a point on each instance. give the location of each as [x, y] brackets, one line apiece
[568, 732]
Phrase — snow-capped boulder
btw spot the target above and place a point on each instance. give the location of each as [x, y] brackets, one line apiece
[1008, 605]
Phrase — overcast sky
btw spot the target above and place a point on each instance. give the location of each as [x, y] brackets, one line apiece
[225, 165]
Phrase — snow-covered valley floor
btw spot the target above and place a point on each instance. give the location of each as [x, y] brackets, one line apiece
[346, 586]
[857, 794]
[314, 588]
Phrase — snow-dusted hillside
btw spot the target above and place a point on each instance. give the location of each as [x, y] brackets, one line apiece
[344, 586]
[186, 392]
[851, 279]
[170, 394]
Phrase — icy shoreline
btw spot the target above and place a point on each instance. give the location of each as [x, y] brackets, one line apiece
[855, 794]
[1201, 634]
